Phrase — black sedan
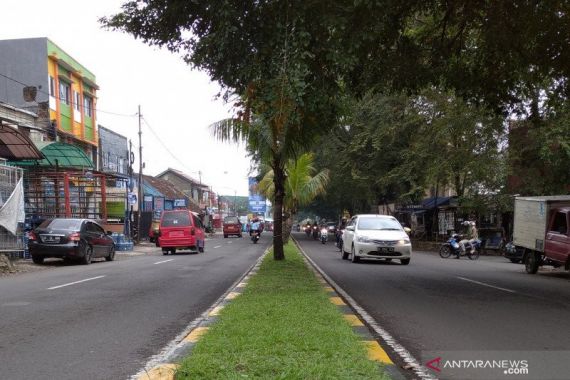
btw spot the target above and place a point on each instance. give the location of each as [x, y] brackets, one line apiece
[72, 239]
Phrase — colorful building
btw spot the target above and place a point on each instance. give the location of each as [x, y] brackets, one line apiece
[40, 76]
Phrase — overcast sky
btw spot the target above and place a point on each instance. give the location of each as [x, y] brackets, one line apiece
[178, 103]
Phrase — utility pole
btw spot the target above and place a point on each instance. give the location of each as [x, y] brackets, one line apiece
[139, 196]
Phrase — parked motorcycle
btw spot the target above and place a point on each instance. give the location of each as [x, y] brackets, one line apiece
[324, 235]
[452, 247]
[254, 237]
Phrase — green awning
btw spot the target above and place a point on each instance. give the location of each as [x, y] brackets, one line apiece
[61, 154]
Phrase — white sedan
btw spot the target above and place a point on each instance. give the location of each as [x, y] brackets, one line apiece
[376, 237]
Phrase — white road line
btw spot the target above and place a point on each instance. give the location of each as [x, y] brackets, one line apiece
[164, 261]
[483, 284]
[73, 283]
[217, 246]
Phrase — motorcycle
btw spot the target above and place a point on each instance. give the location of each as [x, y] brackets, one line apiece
[315, 232]
[452, 246]
[308, 230]
[254, 237]
[324, 235]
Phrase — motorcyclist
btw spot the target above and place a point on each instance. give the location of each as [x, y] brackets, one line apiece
[315, 230]
[338, 233]
[255, 226]
[469, 237]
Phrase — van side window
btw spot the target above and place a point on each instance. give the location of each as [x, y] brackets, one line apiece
[197, 222]
[560, 224]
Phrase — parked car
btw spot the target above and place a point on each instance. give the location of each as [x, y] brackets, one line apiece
[231, 226]
[181, 229]
[376, 237]
[76, 239]
[513, 253]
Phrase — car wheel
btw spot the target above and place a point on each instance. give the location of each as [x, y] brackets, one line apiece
[201, 249]
[344, 254]
[404, 261]
[87, 255]
[532, 262]
[225, 236]
[240, 235]
[165, 252]
[353, 256]
[38, 259]
[111, 255]
[173, 251]
[388, 260]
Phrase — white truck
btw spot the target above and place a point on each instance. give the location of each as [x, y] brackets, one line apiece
[541, 230]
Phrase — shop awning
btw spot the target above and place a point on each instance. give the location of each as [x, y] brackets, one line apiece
[15, 146]
[60, 154]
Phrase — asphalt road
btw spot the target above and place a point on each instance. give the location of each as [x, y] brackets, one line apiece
[450, 305]
[105, 320]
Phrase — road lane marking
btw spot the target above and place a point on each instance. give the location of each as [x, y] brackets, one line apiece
[377, 353]
[160, 372]
[217, 246]
[488, 285]
[196, 334]
[75, 282]
[163, 261]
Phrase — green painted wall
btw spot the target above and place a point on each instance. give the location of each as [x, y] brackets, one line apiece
[53, 48]
[65, 110]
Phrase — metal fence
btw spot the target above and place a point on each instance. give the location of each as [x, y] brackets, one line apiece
[12, 244]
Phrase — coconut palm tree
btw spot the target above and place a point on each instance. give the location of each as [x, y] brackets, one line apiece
[302, 185]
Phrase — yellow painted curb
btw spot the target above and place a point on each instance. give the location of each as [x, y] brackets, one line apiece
[215, 311]
[196, 334]
[329, 289]
[241, 285]
[232, 295]
[353, 320]
[377, 353]
[160, 372]
[337, 301]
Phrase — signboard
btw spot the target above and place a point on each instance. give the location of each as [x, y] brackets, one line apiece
[180, 203]
[256, 200]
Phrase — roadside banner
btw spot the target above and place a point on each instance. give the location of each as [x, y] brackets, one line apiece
[256, 200]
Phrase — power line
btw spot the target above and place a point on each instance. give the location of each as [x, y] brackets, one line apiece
[165, 147]
[59, 98]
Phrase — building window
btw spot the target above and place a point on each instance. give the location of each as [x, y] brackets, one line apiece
[76, 101]
[52, 86]
[88, 105]
[63, 92]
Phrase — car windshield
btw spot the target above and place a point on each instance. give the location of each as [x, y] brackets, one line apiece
[62, 224]
[176, 219]
[231, 220]
[378, 224]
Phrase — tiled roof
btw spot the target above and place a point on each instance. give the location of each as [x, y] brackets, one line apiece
[170, 192]
[184, 176]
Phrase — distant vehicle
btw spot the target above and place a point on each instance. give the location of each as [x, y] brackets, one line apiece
[182, 230]
[331, 227]
[231, 226]
[542, 229]
[376, 237]
[71, 239]
[153, 231]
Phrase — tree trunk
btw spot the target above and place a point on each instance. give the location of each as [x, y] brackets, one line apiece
[287, 225]
[279, 182]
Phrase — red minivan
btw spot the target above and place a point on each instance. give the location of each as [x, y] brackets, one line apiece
[181, 229]
[231, 226]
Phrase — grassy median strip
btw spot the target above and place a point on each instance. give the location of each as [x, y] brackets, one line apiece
[283, 326]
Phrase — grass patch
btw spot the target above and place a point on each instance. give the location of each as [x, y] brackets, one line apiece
[282, 327]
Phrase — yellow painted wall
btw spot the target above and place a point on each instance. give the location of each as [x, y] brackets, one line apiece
[51, 72]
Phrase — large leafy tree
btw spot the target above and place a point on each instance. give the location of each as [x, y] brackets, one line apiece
[303, 184]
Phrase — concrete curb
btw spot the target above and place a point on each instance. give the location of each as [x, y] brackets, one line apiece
[364, 325]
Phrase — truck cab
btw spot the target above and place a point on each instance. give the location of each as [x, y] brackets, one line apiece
[557, 241]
